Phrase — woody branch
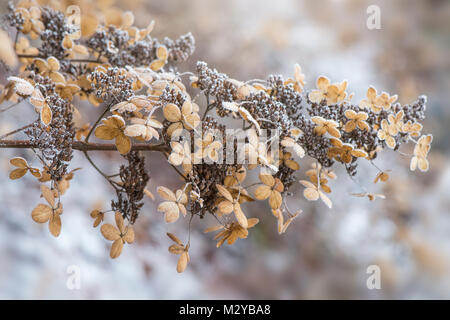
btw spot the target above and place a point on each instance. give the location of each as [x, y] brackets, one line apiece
[82, 146]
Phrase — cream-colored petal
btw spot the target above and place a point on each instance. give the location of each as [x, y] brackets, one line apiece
[325, 199]
[413, 164]
[135, 130]
[166, 193]
[311, 194]
[172, 112]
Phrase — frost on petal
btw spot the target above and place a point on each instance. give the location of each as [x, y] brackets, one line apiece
[19, 162]
[166, 193]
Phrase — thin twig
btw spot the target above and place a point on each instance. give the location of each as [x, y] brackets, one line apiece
[84, 60]
[208, 107]
[100, 171]
[97, 121]
[175, 168]
[15, 40]
[11, 106]
[15, 131]
[70, 60]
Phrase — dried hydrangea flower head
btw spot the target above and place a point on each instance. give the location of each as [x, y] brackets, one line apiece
[130, 80]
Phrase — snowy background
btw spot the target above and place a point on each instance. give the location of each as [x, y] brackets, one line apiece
[325, 253]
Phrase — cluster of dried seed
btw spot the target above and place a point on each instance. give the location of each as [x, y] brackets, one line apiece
[112, 83]
[55, 29]
[134, 178]
[54, 141]
[118, 47]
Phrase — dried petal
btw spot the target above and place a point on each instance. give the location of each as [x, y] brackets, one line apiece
[54, 225]
[110, 232]
[224, 192]
[46, 115]
[174, 238]
[166, 193]
[116, 248]
[41, 213]
[17, 173]
[240, 216]
[275, 200]
[19, 162]
[172, 112]
[262, 192]
[182, 262]
[48, 195]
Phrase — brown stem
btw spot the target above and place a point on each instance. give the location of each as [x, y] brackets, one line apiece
[11, 106]
[82, 146]
[70, 60]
